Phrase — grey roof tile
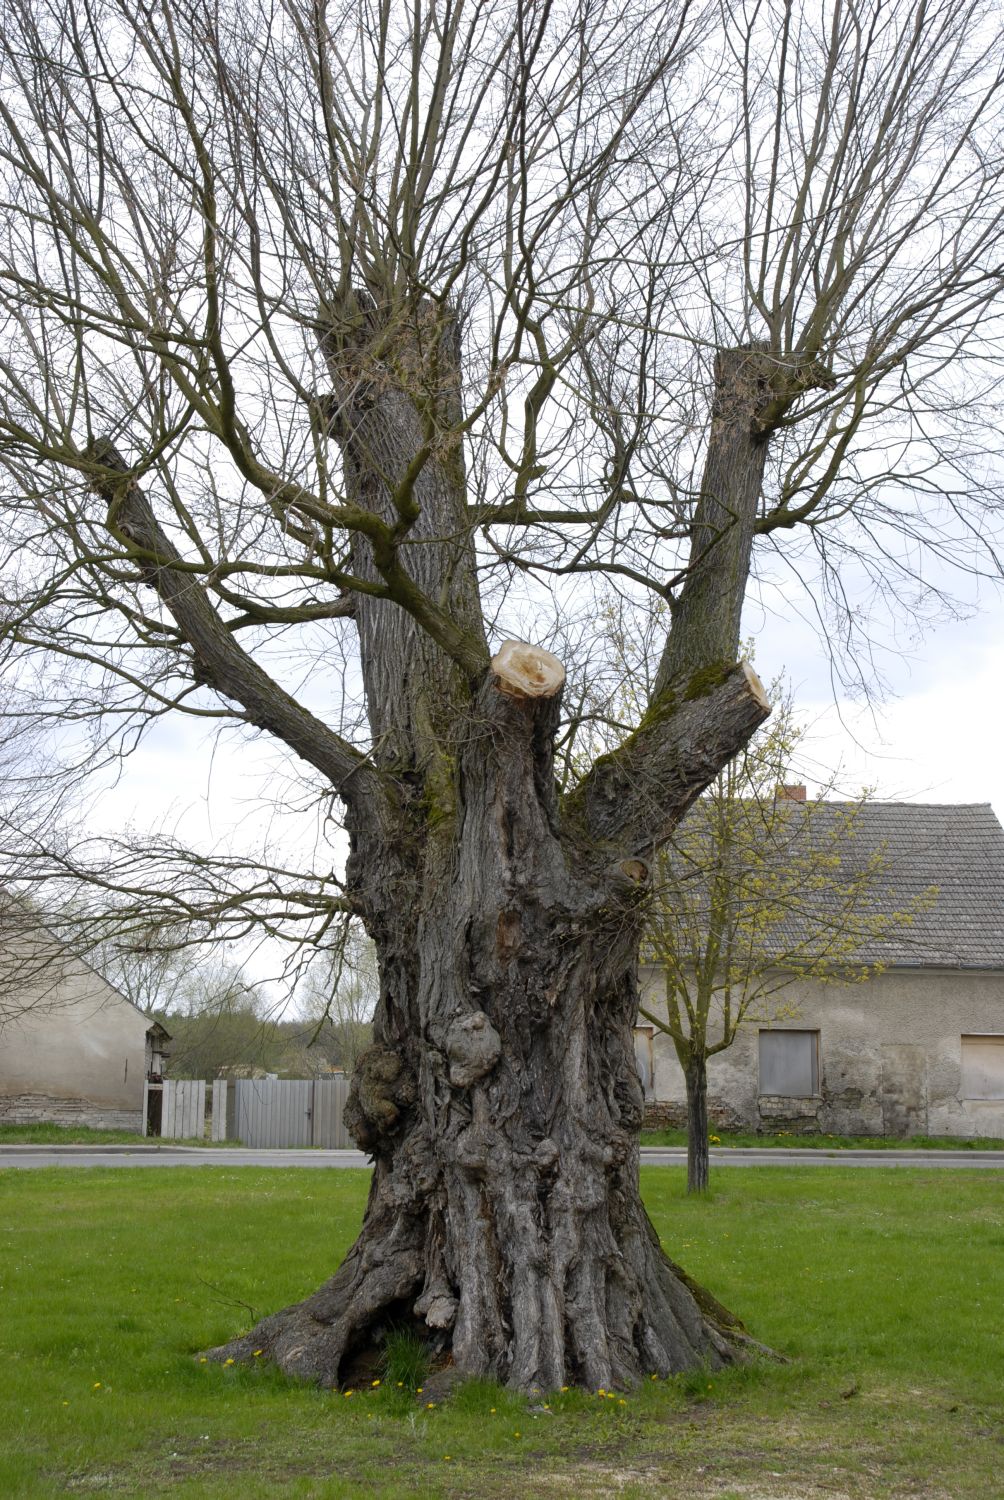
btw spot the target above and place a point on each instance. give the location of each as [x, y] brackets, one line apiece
[956, 849]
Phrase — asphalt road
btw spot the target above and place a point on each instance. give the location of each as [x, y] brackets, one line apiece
[651, 1156]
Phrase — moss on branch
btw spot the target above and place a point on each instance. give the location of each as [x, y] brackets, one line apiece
[636, 792]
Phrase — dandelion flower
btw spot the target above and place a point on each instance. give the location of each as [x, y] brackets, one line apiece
[375, 1383]
[517, 1434]
[258, 1353]
[228, 1361]
[96, 1386]
[429, 1405]
[202, 1359]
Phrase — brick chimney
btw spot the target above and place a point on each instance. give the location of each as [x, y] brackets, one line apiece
[794, 793]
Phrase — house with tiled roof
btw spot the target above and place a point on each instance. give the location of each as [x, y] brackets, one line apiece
[918, 1047]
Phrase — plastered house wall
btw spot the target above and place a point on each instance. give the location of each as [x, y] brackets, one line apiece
[890, 1057]
[73, 1050]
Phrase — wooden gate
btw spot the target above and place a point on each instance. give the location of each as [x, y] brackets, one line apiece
[183, 1109]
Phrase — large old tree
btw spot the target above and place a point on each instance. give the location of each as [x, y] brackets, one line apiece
[344, 347]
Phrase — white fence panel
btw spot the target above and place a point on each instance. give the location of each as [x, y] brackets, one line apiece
[219, 1123]
[183, 1112]
[328, 1122]
[273, 1112]
[278, 1112]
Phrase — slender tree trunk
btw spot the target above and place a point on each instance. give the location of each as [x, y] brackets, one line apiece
[696, 1075]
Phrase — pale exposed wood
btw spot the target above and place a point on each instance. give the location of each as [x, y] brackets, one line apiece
[525, 671]
[756, 687]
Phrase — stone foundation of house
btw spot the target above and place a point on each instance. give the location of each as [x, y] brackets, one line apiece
[781, 1112]
[670, 1114]
[43, 1109]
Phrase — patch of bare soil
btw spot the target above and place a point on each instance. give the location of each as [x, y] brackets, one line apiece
[605, 1481]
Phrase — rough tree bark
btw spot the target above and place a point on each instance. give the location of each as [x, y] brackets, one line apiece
[500, 1101]
[753, 392]
[696, 1076]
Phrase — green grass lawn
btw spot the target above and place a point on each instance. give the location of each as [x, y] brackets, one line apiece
[884, 1288]
[82, 1135]
[791, 1140]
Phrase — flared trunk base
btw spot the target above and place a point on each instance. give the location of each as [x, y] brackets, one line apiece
[605, 1311]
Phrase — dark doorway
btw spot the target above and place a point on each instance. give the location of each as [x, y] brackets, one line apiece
[154, 1108]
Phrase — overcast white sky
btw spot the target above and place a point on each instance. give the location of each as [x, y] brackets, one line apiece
[939, 739]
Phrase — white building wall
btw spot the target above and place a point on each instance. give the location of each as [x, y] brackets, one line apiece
[73, 1049]
[890, 1056]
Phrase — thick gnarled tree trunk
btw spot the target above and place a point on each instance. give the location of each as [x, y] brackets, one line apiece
[500, 1100]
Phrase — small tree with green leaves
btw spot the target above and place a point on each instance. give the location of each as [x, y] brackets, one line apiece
[756, 892]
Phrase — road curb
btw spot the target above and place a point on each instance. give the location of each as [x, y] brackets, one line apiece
[652, 1155]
